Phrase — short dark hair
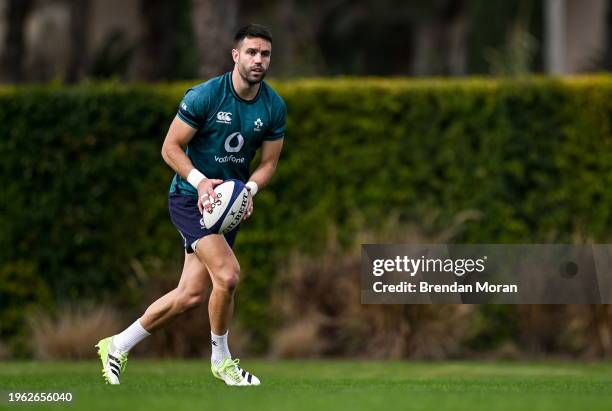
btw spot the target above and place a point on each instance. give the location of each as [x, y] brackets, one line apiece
[252, 30]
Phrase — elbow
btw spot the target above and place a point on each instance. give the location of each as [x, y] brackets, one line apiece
[164, 152]
[164, 155]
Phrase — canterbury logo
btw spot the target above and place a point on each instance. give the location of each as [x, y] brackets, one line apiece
[224, 117]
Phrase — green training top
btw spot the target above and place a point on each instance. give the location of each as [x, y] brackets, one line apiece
[230, 129]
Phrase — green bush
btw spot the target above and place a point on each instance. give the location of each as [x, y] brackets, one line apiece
[22, 293]
[84, 186]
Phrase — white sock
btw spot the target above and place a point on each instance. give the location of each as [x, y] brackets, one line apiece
[220, 350]
[131, 336]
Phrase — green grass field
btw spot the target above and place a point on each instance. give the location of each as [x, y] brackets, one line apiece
[321, 385]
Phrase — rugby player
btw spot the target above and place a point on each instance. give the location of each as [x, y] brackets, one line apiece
[219, 126]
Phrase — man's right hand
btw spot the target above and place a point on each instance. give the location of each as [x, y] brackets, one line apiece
[206, 194]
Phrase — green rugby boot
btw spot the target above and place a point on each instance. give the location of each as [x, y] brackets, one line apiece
[229, 372]
[113, 360]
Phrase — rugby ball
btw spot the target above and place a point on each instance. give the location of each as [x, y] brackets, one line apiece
[229, 207]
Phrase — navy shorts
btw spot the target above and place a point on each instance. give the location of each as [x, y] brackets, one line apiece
[188, 221]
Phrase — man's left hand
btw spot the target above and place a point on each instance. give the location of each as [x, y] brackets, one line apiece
[249, 207]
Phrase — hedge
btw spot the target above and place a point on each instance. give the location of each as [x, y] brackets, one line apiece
[83, 205]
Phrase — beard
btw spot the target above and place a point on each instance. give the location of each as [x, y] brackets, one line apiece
[250, 77]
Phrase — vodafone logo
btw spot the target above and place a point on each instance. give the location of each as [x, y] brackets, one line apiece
[234, 142]
[224, 117]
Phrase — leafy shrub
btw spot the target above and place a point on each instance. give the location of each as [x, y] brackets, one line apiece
[83, 184]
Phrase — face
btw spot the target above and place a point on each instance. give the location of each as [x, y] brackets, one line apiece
[252, 58]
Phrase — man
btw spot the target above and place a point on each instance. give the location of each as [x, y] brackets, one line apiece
[221, 123]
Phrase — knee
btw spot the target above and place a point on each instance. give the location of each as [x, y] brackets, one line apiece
[186, 300]
[227, 278]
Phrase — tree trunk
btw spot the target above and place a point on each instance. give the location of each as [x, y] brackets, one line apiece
[14, 42]
[214, 23]
[440, 41]
[607, 57]
[160, 36]
[79, 37]
[301, 53]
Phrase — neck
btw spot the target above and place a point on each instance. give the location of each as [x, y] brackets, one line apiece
[243, 88]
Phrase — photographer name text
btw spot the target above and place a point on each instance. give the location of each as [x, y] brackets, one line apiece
[425, 287]
[411, 266]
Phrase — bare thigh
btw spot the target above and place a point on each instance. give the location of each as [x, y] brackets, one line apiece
[195, 278]
[216, 255]
[190, 292]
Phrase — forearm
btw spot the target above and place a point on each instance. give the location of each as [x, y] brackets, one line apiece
[176, 158]
[263, 174]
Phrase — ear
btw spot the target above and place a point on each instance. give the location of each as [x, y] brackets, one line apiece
[235, 54]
